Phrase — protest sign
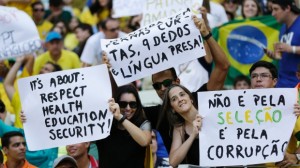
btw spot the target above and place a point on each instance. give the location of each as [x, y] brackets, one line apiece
[154, 48]
[18, 33]
[123, 8]
[66, 107]
[155, 10]
[243, 127]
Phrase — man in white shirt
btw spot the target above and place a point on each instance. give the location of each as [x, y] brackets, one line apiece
[92, 52]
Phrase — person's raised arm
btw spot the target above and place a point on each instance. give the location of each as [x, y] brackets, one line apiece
[11, 76]
[142, 137]
[180, 149]
[105, 60]
[219, 73]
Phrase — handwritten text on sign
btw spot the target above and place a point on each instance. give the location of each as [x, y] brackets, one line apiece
[245, 127]
[18, 33]
[66, 107]
[154, 10]
[153, 48]
[127, 8]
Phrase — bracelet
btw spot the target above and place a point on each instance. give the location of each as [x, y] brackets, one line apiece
[207, 36]
[294, 49]
[122, 119]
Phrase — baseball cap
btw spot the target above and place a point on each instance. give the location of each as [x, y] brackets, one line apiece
[60, 159]
[53, 36]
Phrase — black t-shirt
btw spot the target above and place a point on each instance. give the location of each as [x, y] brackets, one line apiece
[165, 129]
[119, 149]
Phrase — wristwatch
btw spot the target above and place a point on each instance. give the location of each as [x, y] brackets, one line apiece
[297, 156]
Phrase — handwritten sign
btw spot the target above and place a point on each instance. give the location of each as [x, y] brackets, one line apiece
[245, 127]
[127, 8]
[153, 48]
[18, 33]
[66, 107]
[155, 10]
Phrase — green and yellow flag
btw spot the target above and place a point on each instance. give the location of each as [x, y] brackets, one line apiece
[243, 42]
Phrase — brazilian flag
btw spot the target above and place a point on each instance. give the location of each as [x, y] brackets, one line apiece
[243, 42]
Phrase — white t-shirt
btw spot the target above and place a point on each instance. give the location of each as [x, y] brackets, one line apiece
[217, 15]
[92, 52]
[192, 75]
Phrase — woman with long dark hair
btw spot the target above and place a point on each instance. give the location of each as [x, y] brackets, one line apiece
[182, 113]
[130, 132]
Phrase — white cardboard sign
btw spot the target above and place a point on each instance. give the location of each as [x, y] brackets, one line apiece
[66, 107]
[18, 33]
[156, 47]
[244, 127]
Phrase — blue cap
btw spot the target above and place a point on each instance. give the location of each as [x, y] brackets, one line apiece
[53, 36]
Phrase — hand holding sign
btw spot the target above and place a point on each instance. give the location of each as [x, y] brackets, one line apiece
[200, 24]
[197, 123]
[115, 109]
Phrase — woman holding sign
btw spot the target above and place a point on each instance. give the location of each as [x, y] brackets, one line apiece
[130, 133]
[183, 115]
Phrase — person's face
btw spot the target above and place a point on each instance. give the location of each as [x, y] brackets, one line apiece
[279, 14]
[47, 68]
[103, 3]
[3, 69]
[17, 148]
[81, 35]
[180, 100]
[38, 12]
[153, 142]
[62, 27]
[73, 23]
[112, 29]
[78, 150]
[250, 8]
[3, 115]
[162, 77]
[261, 77]
[230, 6]
[54, 47]
[241, 85]
[128, 105]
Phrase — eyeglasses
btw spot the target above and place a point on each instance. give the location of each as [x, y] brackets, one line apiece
[166, 83]
[124, 104]
[113, 29]
[262, 76]
[41, 10]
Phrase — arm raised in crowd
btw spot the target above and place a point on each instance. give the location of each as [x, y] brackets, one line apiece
[219, 73]
[142, 137]
[12, 74]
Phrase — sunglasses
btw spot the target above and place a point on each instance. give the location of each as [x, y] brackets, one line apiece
[124, 104]
[41, 10]
[113, 29]
[166, 83]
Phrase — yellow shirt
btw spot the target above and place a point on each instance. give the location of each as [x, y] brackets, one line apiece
[26, 7]
[67, 60]
[70, 41]
[5, 99]
[44, 28]
[87, 17]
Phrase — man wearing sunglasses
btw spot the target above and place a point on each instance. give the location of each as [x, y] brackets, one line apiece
[92, 52]
[162, 80]
[43, 26]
